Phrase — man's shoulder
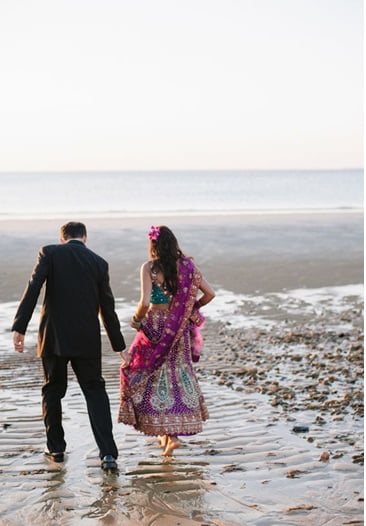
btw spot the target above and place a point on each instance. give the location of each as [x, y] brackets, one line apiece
[62, 248]
[47, 249]
[96, 257]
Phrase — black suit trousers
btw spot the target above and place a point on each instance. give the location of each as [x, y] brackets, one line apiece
[89, 374]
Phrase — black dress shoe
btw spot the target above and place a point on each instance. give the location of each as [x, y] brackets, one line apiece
[109, 463]
[57, 456]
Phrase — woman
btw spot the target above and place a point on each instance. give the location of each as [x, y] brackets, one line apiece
[160, 395]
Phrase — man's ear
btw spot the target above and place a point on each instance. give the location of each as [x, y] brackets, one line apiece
[62, 240]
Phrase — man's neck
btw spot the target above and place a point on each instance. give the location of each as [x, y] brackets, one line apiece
[81, 239]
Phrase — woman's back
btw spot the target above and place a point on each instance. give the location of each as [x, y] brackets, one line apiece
[159, 291]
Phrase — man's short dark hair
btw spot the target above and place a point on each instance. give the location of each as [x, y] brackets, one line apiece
[73, 230]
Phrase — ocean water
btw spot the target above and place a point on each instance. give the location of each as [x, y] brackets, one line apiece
[54, 194]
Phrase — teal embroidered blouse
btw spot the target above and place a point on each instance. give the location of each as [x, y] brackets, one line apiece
[158, 295]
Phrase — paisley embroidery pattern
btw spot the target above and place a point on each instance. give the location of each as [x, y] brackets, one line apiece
[186, 382]
[162, 385]
[162, 397]
[189, 392]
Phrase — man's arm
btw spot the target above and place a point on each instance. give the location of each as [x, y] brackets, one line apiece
[29, 300]
[108, 314]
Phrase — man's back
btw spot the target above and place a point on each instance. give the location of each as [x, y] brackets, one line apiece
[77, 288]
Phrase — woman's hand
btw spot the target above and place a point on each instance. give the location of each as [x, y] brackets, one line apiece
[135, 323]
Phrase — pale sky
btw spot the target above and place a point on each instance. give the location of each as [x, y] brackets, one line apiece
[181, 84]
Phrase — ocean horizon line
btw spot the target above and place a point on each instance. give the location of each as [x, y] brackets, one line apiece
[177, 213]
[181, 170]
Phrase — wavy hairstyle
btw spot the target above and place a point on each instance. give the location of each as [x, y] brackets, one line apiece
[165, 251]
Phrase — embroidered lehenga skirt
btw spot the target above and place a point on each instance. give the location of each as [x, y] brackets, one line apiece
[167, 400]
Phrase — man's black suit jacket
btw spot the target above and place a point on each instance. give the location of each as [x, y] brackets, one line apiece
[77, 291]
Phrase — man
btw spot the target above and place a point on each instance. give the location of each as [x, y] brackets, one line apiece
[77, 290]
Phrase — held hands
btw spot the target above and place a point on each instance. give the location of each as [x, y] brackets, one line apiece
[126, 358]
[18, 341]
[135, 323]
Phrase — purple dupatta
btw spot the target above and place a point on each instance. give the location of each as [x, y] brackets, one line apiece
[148, 355]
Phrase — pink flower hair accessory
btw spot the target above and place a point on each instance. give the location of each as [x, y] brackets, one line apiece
[154, 233]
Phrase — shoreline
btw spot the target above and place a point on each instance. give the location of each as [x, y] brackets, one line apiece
[184, 215]
[120, 215]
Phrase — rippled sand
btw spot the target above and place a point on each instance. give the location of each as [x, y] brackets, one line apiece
[247, 467]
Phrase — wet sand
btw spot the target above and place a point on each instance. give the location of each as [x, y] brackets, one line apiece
[298, 363]
[243, 253]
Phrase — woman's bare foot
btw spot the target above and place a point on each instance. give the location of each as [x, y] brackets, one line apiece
[163, 440]
[173, 443]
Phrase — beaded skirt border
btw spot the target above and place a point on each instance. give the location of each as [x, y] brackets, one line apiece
[163, 424]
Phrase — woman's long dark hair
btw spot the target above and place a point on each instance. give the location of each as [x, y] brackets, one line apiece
[167, 252]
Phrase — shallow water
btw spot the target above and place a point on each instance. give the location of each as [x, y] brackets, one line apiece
[240, 310]
[246, 468]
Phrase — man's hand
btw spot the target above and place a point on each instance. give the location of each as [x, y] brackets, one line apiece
[126, 358]
[18, 340]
